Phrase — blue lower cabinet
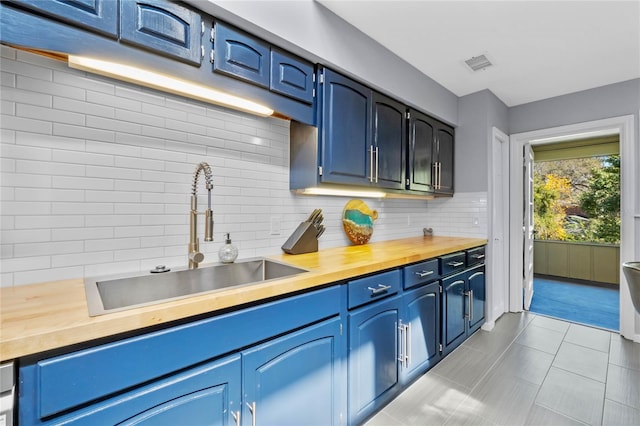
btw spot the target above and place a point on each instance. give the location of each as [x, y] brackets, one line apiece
[476, 284]
[296, 379]
[420, 335]
[206, 395]
[454, 329]
[373, 357]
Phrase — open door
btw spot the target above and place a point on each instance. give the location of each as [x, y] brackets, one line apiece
[528, 226]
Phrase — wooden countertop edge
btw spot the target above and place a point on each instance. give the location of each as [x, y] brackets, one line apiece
[25, 330]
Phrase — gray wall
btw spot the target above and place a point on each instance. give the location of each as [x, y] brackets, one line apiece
[478, 113]
[317, 34]
[613, 100]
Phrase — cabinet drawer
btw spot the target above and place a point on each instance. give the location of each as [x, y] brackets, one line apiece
[452, 262]
[241, 56]
[163, 27]
[365, 290]
[421, 273]
[475, 256]
[97, 15]
[291, 76]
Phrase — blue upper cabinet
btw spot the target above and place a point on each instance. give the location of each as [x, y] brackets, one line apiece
[444, 157]
[389, 139]
[346, 147]
[97, 15]
[291, 76]
[240, 55]
[163, 27]
[422, 133]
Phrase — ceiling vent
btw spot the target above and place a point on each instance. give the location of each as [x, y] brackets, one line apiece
[478, 63]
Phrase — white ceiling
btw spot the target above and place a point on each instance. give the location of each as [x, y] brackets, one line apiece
[540, 49]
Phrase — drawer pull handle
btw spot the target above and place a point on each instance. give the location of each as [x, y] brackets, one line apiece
[478, 256]
[423, 274]
[455, 264]
[381, 289]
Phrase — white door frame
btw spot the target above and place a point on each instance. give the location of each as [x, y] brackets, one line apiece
[497, 298]
[629, 185]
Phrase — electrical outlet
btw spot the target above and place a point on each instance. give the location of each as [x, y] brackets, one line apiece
[475, 221]
[275, 225]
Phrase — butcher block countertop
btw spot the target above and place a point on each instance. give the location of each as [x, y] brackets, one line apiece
[40, 317]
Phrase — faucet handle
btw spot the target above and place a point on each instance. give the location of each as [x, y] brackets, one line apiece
[196, 257]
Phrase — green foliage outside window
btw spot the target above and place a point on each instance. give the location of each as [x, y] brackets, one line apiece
[578, 200]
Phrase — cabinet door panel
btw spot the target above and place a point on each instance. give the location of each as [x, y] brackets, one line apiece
[477, 286]
[389, 130]
[445, 158]
[422, 312]
[205, 395]
[291, 76]
[295, 380]
[453, 307]
[421, 139]
[373, 367]
[98, 15]
[346, 137]
[241, 56]
[163, 27]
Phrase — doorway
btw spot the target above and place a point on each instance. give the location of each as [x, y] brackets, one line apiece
[621, 126]
[577, 231]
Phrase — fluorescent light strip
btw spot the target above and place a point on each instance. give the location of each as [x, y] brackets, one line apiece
[342, 192]
[166, 83]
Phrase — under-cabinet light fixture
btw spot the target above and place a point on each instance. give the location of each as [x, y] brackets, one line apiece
[341, 192]
[166, 83]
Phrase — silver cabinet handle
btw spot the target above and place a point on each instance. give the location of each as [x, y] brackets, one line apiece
[470, 305]
[377, 163]
[408, 340]
[435, 175]
[380, 289]
[236, 417]
[423, 274]
[455, 264]
[371, 164]
[478, 256]
[252, 408]
[403, 338]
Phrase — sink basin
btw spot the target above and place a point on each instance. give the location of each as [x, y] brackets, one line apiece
[632, 272]
[121, 293]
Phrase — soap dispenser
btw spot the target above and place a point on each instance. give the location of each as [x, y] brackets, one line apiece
[228, 252]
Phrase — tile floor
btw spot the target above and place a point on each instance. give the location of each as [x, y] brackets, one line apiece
[530, 370]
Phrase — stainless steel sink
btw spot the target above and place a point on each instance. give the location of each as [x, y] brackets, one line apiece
[126, 292]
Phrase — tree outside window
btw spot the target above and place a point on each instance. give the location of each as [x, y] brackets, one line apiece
[578, 199]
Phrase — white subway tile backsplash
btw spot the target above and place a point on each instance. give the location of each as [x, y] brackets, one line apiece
[96, 179]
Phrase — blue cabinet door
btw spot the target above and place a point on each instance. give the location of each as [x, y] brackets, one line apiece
[296, 379]
[206, 395]
[291, 76]
[422, 314]
[164, 27]
[373, 357]
[444, 143]
[97, 15]
[346, 131]
[240, 55]
[454, 322]
[422, 133]
[389, 139]
[476, 283]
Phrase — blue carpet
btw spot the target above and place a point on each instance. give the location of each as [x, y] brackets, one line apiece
[579, 303]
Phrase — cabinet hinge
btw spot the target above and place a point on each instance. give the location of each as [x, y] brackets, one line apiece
[407, 182]
[212, 34]
[408, 115]
[313, 93]
[341, 329]
[203, 29]
[440, 347]
[440, 289]
[319, 170]
[321, 77]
